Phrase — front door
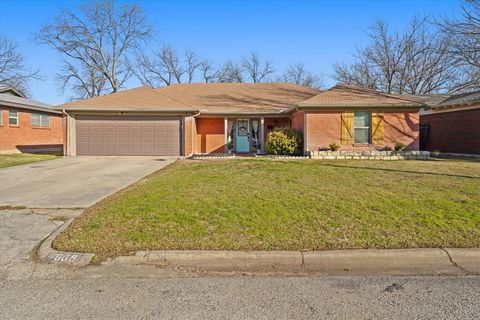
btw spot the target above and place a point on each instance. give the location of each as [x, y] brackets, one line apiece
[241, 136]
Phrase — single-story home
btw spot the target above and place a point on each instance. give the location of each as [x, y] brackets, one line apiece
[27, 125]
[186, 119]
[452, 125]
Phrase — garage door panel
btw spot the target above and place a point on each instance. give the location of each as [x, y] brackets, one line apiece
[128, 135]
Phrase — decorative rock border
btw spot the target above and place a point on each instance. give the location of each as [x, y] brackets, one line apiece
[370, 155]
[203, 156]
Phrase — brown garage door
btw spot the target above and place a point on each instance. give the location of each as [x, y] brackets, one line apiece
[128, 135]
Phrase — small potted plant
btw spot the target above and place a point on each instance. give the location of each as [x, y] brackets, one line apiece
[334, 146]
[399, 146]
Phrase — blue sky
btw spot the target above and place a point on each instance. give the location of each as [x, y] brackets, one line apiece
[317, 33]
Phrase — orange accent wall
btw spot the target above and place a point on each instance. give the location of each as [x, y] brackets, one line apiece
[324, 128]
[13, 138]
[188, 135]
[210, 137]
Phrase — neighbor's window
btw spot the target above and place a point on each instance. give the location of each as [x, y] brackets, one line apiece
[13, 118]
[362, 127]
[40, 120]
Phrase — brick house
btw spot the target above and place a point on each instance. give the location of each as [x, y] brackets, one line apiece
[186, 119]
[27, 125]
[452, 125]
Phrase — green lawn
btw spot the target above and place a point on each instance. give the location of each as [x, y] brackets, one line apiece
[9, 160]
[287, 205]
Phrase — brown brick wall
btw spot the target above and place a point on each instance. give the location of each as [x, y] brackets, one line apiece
[324, 128]
[298, 120]
[402, 127]
[210, 137]
[274, 123]
[12, 138]
[456, 132]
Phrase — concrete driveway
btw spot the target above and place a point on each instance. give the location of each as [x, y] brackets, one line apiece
[73, 182]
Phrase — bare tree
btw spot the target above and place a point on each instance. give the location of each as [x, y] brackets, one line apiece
[415, 61]
[167, 67]
[256, 69]
[99, 38]
[230, 72]
[13, 70]
[85, 81]
[297, 73]
[464, 30]
[209, 73]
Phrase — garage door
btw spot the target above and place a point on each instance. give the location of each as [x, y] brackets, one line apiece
[128, 135]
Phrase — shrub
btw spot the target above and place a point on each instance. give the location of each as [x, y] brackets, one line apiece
[334, 146]
[284, 141]
[399, 146]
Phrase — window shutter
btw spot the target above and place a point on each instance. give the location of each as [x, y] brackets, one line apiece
[377, 128]
[347, 128]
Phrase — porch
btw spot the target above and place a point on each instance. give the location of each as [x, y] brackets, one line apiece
[241, 135]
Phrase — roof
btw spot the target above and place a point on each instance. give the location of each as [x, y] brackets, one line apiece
[13, 91]
[10, 100]
[343, 95]
[213, 98]
[460, 99]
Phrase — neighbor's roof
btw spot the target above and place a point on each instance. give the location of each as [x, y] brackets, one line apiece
[210, 98]
[461, 99]
[343, 95]
[11, 90]
[10, 100]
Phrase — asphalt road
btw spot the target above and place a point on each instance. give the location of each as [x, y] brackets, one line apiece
[242, 297]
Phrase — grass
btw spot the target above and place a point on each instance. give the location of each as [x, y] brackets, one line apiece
[10, 160]
[287, 205]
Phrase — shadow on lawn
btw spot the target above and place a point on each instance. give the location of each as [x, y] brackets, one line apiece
[403, 171]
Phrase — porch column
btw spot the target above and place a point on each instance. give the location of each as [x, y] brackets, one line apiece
[262, 135]
[226, 134]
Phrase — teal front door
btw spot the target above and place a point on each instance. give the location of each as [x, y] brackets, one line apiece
[241, 136]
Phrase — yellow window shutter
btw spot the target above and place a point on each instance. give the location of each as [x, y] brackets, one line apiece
[347, 128]
[377, 128]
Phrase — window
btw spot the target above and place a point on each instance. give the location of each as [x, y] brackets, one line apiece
[362, 127]
[13, 118]
[40, 120]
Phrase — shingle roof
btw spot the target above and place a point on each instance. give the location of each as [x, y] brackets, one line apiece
[19, 102]
[460, 99]
[343, 95]
[213, 98]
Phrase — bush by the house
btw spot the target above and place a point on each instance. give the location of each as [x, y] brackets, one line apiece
[284, 141]
[334, 146]
[399, 146]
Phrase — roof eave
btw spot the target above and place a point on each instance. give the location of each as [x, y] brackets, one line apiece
[29, 107]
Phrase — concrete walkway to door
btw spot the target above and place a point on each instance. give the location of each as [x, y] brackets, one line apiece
[73, 182]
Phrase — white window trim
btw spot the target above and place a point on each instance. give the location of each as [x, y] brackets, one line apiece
[41, 115]
[10, 117]
[369, 129]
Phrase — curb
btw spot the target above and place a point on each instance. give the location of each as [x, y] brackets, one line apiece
[47, 254]
[432, 261]
[429, 261]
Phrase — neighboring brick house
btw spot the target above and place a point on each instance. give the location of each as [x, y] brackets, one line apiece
[28, 126]
[452, 125]
[186, 119]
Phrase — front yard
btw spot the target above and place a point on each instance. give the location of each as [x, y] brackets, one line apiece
[287, 205]
[10, 160]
